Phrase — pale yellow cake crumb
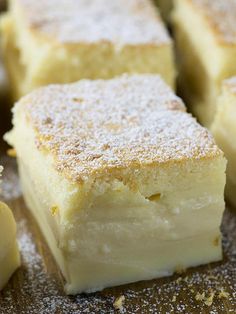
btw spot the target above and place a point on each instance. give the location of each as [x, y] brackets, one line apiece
[119, 303]
[54, 210]
[11, 152]
[211, 277]
[174, 298]
[200, 296]
[209, 300]
[178, 280]
[223, 294]
[216, 241]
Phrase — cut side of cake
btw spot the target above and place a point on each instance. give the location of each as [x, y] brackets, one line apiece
[125, 185]
[224, 131]
[205, 33]
[62, 41]
[9, 253]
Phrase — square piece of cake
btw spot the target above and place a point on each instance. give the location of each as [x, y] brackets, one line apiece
[224, 130]
[205, 32]
[9, 253]
[62, 41]
[125, 185]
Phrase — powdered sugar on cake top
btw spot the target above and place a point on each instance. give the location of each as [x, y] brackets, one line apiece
[97, 126]
[221, 16]
[88, 21]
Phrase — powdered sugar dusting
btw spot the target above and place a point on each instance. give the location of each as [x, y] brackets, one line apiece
[98, 126]
[118, 21]
[221, 16]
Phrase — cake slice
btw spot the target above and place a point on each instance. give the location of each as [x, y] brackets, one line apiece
[205, 32]
[224, 130]
[9, 254]
[125, 185]
[61, 41]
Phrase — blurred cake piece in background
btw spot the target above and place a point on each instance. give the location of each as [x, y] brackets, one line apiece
[61, 41]
[224, 130]
[9, 253]
[205, 33]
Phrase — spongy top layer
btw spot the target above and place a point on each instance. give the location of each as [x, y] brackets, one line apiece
[92, 127]
[220, 15]
[120, 22]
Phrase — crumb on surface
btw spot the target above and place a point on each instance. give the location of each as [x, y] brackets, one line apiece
[54, 210]
[211, 277]
[119, 302]
[179, 280]
[11, 152]
[216, 241]
[209, 300]
[223, 294]
[200, 296]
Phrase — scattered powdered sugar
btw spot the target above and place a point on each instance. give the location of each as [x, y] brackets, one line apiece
[98, 126]
[221, 16]
[84, 21]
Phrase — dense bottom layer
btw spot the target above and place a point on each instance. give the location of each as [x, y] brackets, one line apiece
[158, 258]
[9, 264]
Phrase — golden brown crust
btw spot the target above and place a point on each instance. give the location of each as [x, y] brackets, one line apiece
[220, 15]
[95, 127]
[121, 22]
